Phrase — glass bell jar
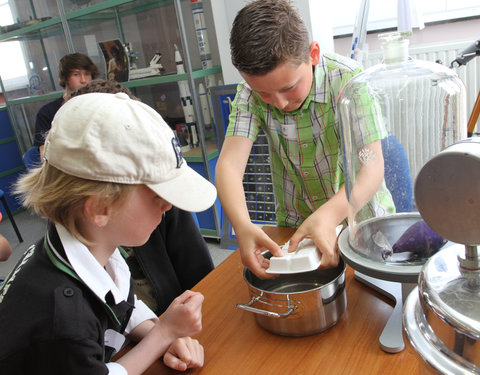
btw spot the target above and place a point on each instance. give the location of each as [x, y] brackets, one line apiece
[394, 117]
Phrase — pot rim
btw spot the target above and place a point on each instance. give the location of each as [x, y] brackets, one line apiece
[341, 273]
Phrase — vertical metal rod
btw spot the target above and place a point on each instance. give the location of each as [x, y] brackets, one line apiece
[34, 13]
[66, 28]
[470, 266]
[119, 25]
[191, 81]
[49, 71]
[471, 257]
[27, 127]
[196, 106]
[42, 44]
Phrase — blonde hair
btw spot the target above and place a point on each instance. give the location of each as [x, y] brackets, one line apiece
[60, 197]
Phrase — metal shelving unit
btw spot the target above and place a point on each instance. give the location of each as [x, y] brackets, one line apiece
[151, 26]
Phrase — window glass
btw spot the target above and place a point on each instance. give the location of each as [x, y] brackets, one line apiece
[5, 14]
[383, 13]
[12, 64]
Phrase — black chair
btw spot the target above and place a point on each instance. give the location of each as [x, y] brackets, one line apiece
[10, 216]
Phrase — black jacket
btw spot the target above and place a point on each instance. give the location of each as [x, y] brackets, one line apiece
[175, 258]
[50, 322]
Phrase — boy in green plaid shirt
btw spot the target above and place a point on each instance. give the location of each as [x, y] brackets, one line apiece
[290, 92]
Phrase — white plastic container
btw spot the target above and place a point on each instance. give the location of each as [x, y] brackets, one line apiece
[304, 259]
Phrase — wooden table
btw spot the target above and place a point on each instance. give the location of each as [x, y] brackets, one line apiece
[235, 344]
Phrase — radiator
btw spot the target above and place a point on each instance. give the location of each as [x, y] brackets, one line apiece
[418, 150]
[444, 52]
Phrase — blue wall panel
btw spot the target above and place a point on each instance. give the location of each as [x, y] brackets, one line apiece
[11, 163]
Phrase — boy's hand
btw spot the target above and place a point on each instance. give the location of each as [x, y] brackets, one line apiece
[184, 315]
[183, 354]
[252, 241]
[168, 337]
[324, 236]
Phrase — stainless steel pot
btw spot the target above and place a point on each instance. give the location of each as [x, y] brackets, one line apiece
[298, 304]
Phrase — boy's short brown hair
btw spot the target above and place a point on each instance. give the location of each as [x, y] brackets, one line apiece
[266, 33]
[75, 61]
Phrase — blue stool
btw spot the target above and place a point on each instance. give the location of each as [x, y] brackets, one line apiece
[10, 216]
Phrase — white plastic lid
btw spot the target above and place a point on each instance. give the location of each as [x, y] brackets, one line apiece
[305, 259]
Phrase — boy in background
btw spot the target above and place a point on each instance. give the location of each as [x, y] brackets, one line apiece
[74, 71]
[112, 168]
[290, 92]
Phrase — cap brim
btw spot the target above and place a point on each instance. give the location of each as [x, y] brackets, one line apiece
[189, 191]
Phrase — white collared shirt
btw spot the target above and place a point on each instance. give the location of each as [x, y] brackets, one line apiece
[114, 278]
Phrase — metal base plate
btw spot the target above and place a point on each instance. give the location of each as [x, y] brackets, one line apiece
[391, 339]
[377, 268]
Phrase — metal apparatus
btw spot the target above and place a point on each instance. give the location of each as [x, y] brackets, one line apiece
[395, 116]
[442, 315]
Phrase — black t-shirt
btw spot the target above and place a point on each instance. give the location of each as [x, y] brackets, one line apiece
[43, 121]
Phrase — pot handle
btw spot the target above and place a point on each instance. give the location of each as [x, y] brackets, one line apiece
[248, 307]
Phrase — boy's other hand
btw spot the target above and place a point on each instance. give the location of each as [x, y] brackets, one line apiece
[324, 236]
[252, 241]
[184, 315]
[183, 354]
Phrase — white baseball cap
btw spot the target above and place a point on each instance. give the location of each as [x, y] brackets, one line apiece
[112, 138]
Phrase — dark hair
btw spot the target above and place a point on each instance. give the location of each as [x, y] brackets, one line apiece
[105, 86]
[266, 33]
[75, 61]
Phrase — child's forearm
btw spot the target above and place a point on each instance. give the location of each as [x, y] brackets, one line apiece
[150, 347]
[181, 319]
[337, 208]
[369, 177]
[140, 331]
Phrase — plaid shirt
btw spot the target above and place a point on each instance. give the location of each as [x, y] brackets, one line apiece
[307, 165]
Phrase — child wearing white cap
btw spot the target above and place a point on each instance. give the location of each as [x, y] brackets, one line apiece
[112, 168]
[175, 257]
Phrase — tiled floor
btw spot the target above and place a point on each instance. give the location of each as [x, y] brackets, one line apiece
[32, 228]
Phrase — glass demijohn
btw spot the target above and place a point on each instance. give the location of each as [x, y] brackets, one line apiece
[394, 117]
